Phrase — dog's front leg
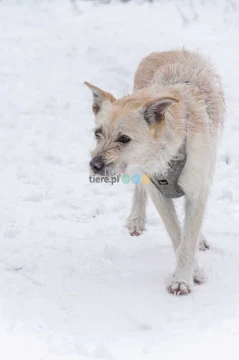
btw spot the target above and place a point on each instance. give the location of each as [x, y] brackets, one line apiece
[187, 269]
[168, 214]
[136, 220]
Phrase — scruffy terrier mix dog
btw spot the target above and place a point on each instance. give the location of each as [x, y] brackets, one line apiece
[169, 127]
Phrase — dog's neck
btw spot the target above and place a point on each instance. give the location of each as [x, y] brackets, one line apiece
[167, 148]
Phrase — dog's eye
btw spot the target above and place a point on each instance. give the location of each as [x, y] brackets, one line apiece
[98, 135]
[124, 139]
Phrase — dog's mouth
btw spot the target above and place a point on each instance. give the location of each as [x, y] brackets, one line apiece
[108, 170]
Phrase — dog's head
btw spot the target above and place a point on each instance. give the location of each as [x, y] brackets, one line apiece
[126, 130]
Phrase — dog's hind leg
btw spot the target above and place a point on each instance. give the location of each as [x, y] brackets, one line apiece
[137, 218]
[187, 268]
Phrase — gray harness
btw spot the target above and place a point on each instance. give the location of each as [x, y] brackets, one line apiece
[168, 185]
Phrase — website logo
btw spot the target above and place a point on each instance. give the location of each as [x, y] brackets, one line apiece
[126, 179]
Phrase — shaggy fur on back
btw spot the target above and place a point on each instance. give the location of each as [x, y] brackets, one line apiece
[178, 67]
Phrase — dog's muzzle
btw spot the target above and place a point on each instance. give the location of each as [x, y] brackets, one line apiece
[97, 165]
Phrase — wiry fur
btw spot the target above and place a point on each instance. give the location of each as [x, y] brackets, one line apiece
[177, 95]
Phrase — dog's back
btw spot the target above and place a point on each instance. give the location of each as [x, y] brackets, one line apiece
[155, 61]
[183, 67]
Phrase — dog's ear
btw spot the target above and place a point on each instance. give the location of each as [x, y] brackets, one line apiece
[98, 97]
[154, 110]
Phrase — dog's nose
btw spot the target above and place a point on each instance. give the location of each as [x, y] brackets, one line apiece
[97, 164]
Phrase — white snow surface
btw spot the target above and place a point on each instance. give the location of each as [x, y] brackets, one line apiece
[73, 283]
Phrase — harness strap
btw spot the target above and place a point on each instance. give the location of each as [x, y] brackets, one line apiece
[168, 186]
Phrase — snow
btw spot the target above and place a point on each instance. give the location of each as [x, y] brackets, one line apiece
[73, 283]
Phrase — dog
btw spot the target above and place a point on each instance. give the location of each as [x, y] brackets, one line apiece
[174, 115]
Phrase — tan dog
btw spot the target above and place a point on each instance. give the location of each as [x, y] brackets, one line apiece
[177, 100]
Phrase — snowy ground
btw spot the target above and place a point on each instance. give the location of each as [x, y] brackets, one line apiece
[73, 283]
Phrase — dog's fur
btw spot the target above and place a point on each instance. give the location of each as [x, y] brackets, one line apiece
[176, 95]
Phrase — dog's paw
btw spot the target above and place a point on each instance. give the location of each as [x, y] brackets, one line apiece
[136, 226]
[179, 288]
[198, 276]
[203, 244]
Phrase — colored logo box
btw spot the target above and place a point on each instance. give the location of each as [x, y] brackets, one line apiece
[145, 179]
[125, 178]
[136, 179]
